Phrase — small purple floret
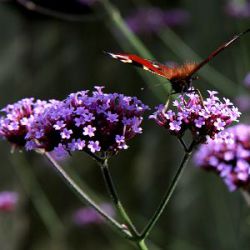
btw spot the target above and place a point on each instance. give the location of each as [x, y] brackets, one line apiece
[89, 131]
[8, 201]
[94, 146]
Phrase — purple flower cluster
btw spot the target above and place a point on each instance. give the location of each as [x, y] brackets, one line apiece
[92, 122]
[17, 118]
[231, 161]
[8, 201]
[239, 9]
[203, 119]
[88, 215]
[148, 20]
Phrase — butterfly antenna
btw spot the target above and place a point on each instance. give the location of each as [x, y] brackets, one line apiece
[218, 50]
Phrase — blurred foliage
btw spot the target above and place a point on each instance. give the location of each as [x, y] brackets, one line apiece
[48, 57]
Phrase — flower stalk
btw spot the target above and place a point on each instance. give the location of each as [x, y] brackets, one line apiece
[169, 192]
[86, 199]
[115, 198]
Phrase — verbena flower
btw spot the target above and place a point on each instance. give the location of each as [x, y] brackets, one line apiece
[203, 120]
[88, 2]
[243, 102]
[89, 121]
[17, 118]
[246, 80]
[238, 9]
[8, 201]
[88, 215]
[147, 20]
[230, 161]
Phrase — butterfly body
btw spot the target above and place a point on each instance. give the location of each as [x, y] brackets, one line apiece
[180, 77]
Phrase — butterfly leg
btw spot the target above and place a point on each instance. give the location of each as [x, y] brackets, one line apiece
[200, 95]
[197, 91]
[167, 102]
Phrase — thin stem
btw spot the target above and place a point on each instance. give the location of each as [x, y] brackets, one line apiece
[87, 199]
[115, 198]
[85, 187]
[141, 245]
[168, 194]
[183, 144]
[246, 197]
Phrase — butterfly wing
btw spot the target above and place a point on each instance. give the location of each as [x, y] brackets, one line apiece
[151, 66]
[217, 51]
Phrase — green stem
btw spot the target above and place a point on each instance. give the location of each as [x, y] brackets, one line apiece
[168, 194]
[85, 187]
[86, 199]
[246, 197]
[141, 245]
[183, 144]
[38, 197]
[117, 20]
[115, 198]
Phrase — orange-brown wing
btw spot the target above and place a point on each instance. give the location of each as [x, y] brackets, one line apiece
[151, 66]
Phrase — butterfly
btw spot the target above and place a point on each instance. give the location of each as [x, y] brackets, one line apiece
[180, 77]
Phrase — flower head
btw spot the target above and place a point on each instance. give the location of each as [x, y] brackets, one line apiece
[90, 121]
[231, 161]
[148, 20]
[8, 201]
[17, 118]
[203, 119]
[88, 215]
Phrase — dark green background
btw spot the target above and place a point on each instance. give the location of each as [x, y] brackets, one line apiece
[46, 57]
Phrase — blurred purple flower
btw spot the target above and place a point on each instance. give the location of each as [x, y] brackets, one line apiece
[8, 201]
[88, 215]
[239, 9]
[203, 120]
[59, 153]
[243, 102]
[148, 20]
[87, 121]
[246, 80]
[231, 161]
[87, 2]
[15, 124]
